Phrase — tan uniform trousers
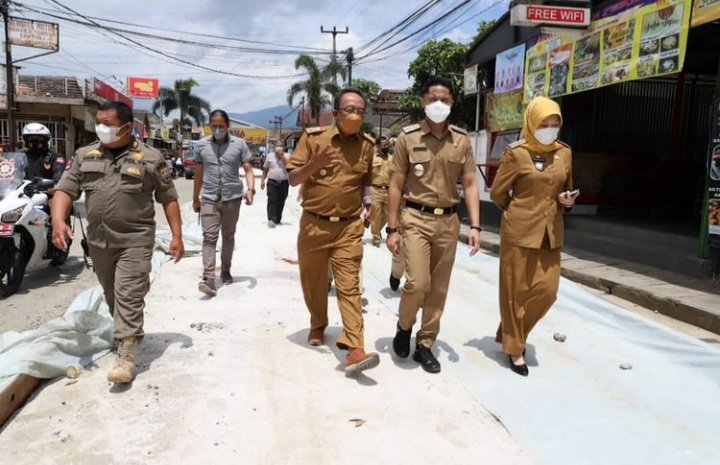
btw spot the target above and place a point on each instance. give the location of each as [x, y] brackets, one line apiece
[430, 242]
[124, 275]
[320, 241]
[378, 212]
[330, 276]
[529, 280]
[216, 217]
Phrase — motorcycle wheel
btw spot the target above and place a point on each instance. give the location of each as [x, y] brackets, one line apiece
[12, 269]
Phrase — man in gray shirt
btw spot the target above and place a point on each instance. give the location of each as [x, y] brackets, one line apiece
[275, 170]
[218, 194]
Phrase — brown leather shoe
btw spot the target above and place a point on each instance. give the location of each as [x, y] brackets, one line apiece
[316, 337]
[357, 360]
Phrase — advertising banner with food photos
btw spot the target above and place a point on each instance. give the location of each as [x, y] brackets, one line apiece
[643, 40]
[705, 11]
[714, 174]
[504, 111]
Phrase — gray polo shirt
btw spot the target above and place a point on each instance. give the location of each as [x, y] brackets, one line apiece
[276, 167]
[221, 166]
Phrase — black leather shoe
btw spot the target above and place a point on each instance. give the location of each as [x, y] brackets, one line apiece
[401, 342]
[394, 282]
[522, 370]
[427, 360]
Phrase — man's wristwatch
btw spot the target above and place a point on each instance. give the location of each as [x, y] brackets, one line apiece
[389, 230]
[252, 190]
[476, 228]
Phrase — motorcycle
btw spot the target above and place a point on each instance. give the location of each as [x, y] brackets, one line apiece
[25, 230]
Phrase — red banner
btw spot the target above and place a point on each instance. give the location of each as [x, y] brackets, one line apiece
[110, 93]
[142, 87]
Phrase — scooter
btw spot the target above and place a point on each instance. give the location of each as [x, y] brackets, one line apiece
[25, 234]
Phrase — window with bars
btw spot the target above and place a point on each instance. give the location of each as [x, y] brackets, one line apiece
[57, 130]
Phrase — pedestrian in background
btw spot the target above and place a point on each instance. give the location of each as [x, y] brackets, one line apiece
[119, 176]
[275, 172]
[534, 187]
[334, 165]
[218, 193]
[380, 186]
[429, 159]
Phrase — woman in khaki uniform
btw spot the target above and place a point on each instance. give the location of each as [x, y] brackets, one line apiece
[533, 187]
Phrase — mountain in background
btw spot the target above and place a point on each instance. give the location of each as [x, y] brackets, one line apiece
[264, 117]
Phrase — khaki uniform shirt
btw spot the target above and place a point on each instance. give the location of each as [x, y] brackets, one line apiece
[335, 190]
[381, 169]
[528, 195]
[433, 166]
[119, 193]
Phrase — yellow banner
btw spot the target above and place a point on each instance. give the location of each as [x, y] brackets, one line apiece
[644, 42]
[705, 11]
[505, 111]
[254, 136]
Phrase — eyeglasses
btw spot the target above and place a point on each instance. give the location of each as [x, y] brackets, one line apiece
[353, 111]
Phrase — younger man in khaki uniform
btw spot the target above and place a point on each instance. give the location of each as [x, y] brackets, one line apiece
[380, 186]
[119, 176]
[334, 165]
[429, 158]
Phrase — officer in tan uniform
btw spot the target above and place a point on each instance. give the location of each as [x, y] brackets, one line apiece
[533, 186]
[429, 159]
[334, 166]
[119, 176]
[380, 186]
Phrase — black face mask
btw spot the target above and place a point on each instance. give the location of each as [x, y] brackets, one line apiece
[36, 146]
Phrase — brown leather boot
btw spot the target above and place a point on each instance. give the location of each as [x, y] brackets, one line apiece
[357, 360]
[123, 370]
[316, 337]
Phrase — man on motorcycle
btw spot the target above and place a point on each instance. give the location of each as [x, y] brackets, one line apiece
[42, 162]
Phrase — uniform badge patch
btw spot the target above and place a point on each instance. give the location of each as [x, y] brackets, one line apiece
[138, 156]
[165, 174]
[133, 170]
[60, 160]
[419, 170]
[47, 166]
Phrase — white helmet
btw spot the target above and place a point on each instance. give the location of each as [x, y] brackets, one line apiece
[36, 129]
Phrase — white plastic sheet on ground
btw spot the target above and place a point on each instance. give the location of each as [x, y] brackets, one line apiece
[84, 333]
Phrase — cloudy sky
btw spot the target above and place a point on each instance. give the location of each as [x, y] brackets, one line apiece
[256, 78]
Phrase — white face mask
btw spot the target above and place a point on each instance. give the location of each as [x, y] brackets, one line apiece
[219, 133]
[437, 111]
[107, 134]
[546, 136]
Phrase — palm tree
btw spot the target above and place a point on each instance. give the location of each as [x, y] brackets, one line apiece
[315, 87]
[180, 97]
[335, 68]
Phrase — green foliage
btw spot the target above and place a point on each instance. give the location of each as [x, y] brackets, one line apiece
[443, 58]
[180, 97]
[315, 88]
[368, 128]
[482, 28]
[370, 89]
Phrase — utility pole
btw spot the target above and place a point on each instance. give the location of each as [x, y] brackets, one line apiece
[350, 57]
[277, 122]
[10, 85]
[334, 33]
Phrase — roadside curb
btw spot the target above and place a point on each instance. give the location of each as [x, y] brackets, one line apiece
[673, 308]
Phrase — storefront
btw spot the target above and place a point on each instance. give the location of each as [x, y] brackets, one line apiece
[636, 90]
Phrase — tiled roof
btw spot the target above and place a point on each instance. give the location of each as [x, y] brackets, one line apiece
[49, 86]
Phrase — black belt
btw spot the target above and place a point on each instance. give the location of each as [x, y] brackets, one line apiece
[435, 211]
[332, 219]
[381, 187]
[279, 180]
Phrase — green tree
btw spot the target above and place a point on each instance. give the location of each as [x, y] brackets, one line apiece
[482, 28]
[370, 89]
[334, 68]
[180, 97]
[443, 58]
[315, 87]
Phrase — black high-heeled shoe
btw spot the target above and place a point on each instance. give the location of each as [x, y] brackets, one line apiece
[522, 370]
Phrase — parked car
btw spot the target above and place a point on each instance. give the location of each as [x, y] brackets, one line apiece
[189, 165]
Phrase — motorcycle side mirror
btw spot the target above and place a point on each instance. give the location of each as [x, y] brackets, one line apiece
[43, 184]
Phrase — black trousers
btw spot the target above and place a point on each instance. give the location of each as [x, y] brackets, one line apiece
[277, 192]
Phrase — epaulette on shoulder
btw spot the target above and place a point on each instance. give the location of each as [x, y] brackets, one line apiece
[369, 138]
[411, 128]
[516, 144]
[458, 129]
[315, 130]
[564, 144]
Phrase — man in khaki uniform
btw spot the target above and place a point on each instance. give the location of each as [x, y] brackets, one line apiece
[119, 176]
[429, 159]
[334, 165]
[380, 186]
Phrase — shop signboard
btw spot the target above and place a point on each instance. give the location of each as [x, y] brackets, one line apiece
[541, 15]
[142, 87]
[705, 11]
[31, 33]
[509, 68]
[470, 80]
[108, 92]
[643, 41]
[714, 176]
[504, 111]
